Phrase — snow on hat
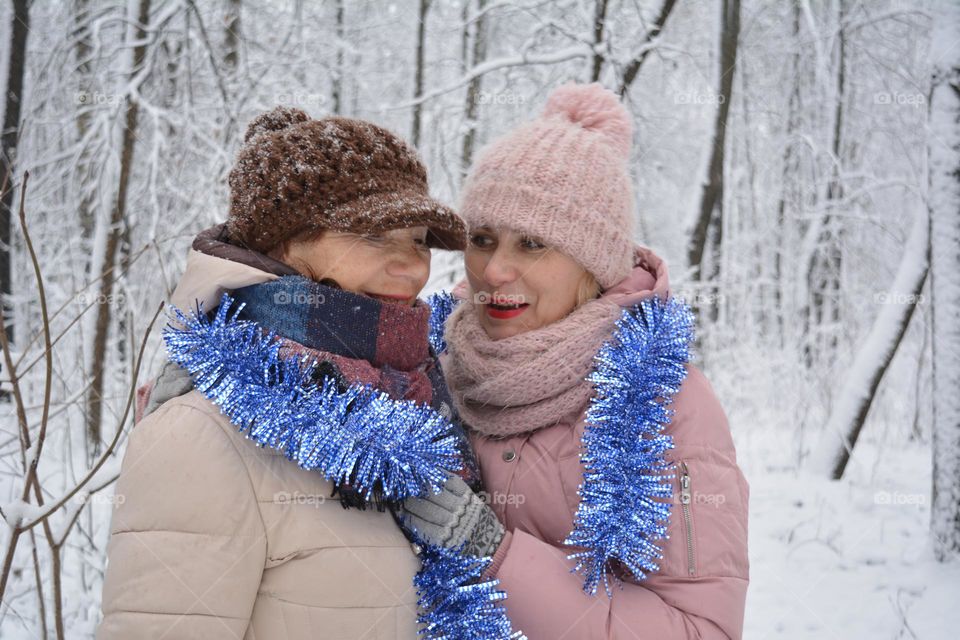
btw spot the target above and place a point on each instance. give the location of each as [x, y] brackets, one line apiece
[563, 179]
[295, 175]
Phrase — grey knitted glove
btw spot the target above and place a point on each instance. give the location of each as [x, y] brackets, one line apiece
[452, 517]
[173, 381]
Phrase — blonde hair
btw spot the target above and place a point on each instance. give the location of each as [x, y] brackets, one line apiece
[587, 289]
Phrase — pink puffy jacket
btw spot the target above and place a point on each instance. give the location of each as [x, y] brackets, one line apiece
[532, 481]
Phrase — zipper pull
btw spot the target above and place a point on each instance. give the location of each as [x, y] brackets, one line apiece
[685, 496]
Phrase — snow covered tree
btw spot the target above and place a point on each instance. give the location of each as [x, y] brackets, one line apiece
[945, 280]
[114, 231]
[706, 233]
[19, 29]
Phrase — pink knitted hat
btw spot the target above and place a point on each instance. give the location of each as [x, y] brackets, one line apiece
[563, 179]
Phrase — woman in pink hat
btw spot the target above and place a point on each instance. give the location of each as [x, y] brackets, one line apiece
[605, 454]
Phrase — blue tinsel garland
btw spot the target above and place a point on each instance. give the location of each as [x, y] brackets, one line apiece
[442, 305]
[359, 435]
[455, 603]
[624, 500]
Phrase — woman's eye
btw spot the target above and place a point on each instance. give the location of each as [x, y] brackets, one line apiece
[420, 242]
[373, 237]
[480, 240]
[531, 244]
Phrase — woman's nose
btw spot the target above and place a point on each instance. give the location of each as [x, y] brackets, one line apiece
[500, 269]
[409, 262]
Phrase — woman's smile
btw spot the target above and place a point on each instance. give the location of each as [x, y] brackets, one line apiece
[506, 310]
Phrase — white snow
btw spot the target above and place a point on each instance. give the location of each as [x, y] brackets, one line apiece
[848, 559]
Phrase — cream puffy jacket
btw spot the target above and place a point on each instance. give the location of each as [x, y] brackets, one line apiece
[214, 537]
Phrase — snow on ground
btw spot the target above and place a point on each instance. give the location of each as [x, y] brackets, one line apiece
[847, 559]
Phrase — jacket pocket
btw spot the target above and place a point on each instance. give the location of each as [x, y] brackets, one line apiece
[685, 500]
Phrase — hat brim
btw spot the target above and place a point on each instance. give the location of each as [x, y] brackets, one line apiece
[399, 210]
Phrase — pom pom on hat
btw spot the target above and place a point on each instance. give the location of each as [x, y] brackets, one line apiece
[277, 119]
[595, 109]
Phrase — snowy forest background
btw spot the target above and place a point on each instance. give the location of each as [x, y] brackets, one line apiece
[797, 163]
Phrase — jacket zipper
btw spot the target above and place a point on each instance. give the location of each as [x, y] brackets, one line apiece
[686, 497]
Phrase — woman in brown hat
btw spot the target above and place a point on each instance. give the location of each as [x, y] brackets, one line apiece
[327, 246]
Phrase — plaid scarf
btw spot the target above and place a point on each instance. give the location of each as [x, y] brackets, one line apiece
[356, 339]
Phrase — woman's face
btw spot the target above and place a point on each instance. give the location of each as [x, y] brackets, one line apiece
[391, 266]
[519, 284]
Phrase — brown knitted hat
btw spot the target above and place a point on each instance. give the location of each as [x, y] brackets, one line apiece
[295, 175]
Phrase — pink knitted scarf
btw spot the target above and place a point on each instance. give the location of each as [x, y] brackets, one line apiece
[527, 381]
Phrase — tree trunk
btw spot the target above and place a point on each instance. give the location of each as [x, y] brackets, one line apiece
[823, 276]
[114, 234]
[599, 18]
[419, 70]
[790, 195]
[20, 27]
[81, 10]
[945, 281]
[711, 201]
[337, 89]
[862, 379]
[231, 36]
[478, 53]
[633, 67]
